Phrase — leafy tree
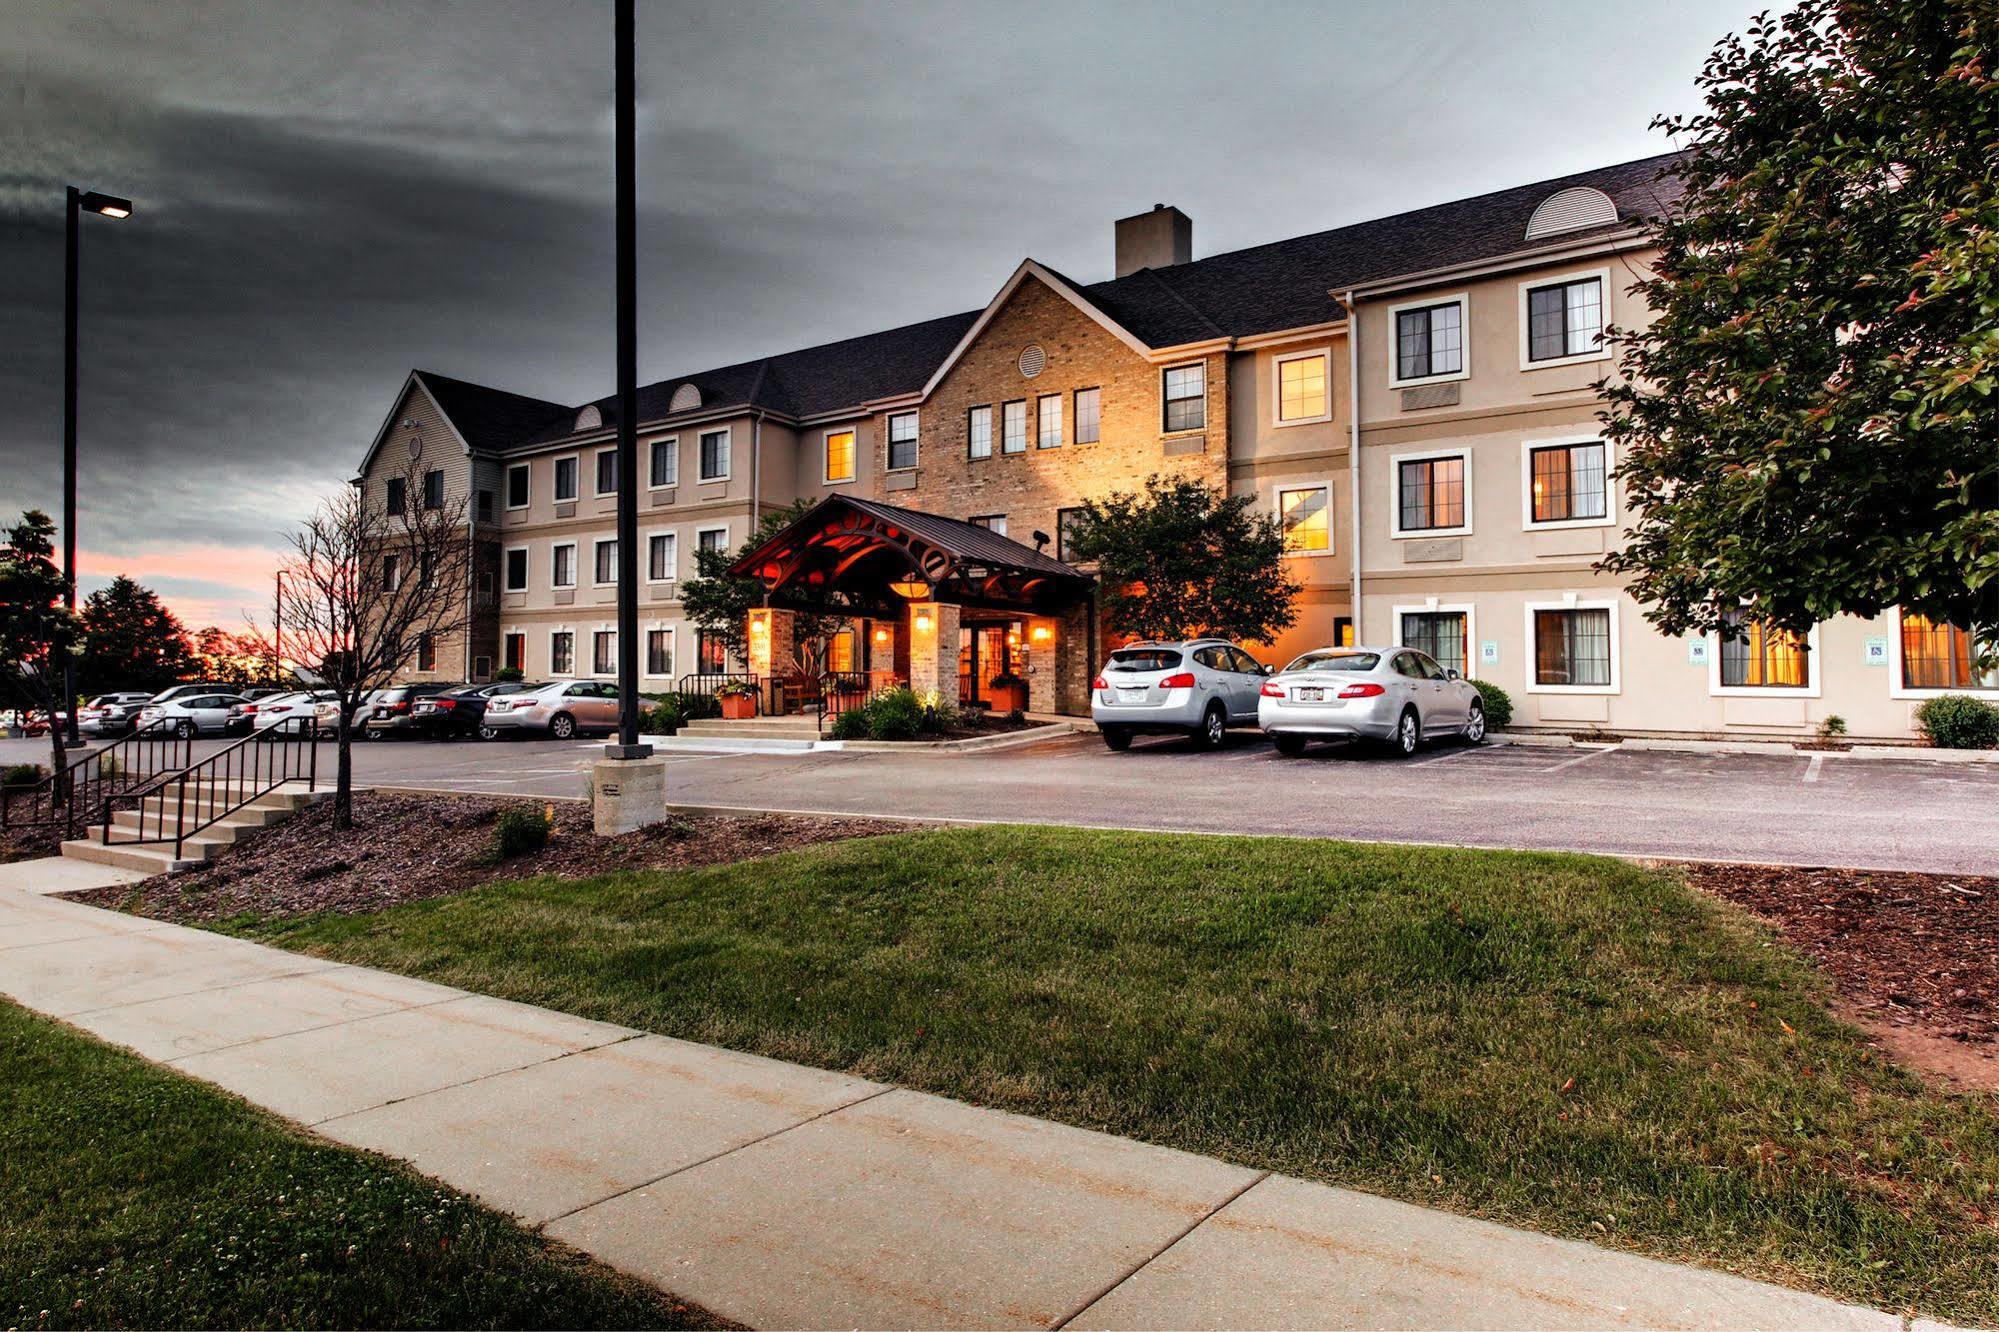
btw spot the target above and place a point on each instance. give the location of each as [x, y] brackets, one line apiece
[1184, 559]
[130, 641]
[719, 604]
[37, 632]
[246, 657]
[1809, 421]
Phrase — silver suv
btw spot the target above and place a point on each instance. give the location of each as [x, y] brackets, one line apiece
[1200, 688]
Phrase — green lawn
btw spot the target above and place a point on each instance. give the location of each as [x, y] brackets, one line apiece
[1564, 1042]
[131, 1196]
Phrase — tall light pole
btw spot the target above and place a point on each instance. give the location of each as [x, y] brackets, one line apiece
[625, 94]
[78, 203]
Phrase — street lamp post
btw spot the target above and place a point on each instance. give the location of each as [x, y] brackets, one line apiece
[77, 203]
[625, 92]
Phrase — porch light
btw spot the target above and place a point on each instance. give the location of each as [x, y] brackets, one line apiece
[923, 621]
[759, 628]
[1041, 633]
[910, 588]
[881, 636]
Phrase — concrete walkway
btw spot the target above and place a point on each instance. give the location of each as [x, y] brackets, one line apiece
[782, 1196]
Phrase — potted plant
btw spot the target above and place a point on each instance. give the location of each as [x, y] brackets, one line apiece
[738, 699]
[1007, 692]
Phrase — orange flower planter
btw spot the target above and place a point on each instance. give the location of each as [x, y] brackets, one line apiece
[739, 707]
[1007, 698]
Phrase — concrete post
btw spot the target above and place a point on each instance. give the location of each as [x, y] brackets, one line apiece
[933, 649]
[771, 642]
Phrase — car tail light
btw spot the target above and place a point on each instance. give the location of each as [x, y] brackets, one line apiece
[1098, 683]
[399, 707]
[248, 708]
[1272, 689]
[1362, 691]
[445, 703]
[1184, 680]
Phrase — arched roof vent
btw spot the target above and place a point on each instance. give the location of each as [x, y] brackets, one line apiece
[685, 399]
[590, 419]
[1572, 209]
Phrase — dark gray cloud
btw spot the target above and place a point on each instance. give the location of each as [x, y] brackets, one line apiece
[330, 194]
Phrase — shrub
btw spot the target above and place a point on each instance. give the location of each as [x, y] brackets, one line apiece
[109, 767]
[508, 675]
[22, 774]
[694, 707]
[1832, 726]
[1959, 721]
[520, 832]
[851, 724]
[895, 714]
[1498, 703]
[664, 717]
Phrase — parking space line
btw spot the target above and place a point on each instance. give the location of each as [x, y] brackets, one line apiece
[1584, 758]
[1812, 768]
[1438, 758]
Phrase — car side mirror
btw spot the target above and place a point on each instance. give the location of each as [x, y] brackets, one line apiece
[1266, 669]
[1454, 675]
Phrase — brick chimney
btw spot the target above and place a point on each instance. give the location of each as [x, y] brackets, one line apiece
[1158, 239]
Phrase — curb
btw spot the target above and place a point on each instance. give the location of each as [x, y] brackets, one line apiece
[973, 745]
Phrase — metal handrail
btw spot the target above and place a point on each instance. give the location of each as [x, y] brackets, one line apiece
[848, 691]
[98, 776]
[224, 782]
[710, 683]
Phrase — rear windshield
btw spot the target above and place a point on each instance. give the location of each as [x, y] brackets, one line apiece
[394, 695]
[1335, 661]
[1144, 659]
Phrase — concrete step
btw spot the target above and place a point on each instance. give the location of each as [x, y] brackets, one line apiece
[773, 727]
[729, 744]
[243, 820]
[204, 845]
[147, 859]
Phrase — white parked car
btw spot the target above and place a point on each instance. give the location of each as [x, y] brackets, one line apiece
[261, 714]
[562, 710]
[1394, 695]
[192, 714]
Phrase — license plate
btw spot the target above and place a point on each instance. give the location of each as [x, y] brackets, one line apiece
[1131, 695]
[1311, 695]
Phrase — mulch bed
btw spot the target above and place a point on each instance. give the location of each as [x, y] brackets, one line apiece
[404, 848]
[30, 843]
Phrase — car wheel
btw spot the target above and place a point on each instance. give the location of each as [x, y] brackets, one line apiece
[562, 726]
[1290, 746]
[1117, 738]
[489, 733]
[185, 730]
[1214, 728]
[1408, 734]
[1475, 725]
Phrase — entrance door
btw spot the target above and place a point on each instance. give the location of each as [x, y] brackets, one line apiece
[987, 652]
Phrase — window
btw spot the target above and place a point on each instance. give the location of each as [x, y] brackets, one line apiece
[662, 557]
[1343, 631]
[604, 652]
[1065, 532]
[992, 522]
[1303, 392]
[397, 498]
[1572, 648]
[713, 540]
[665, 462]
[1565, 319]
[392, 572]
[711, 653]
[517, 486]
[565, 479]
[1430, 495]
[1048, 422]
[1013, 426]
[607, 562]
[433, 489]
[1941, 656]
[715, 455]
[562, 569]
[659, 652]
[426, 569]
[1186, 389]
[1756, 656]
[482, 668]
[607, 471]
[1429, 341]
[517, 569]
[1442, 634]
[485, 506]
[979, 433]
[561, 652]
[514, 652]
[1567, 483]
[839, 456]
[1089, 415]
[426, 652]
[901, 441]
[1306, 513]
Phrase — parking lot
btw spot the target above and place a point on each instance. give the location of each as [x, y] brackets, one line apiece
[1800, 809]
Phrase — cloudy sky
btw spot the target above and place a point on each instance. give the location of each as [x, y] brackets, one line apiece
[331, 194]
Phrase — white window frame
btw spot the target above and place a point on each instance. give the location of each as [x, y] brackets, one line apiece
[527, 574]
[1395, 461]
[888, 442]
[700, 456]
[1040, 419]
[1461, 299]
[1165, 370]
[595, 630]
[673, 574]
[992, 432]
[1432, 606]
[1277, 363]
[1815, 676]
[672, 649]
[653, 482]
[1003, 450]
[695, 550]
[1076, 415]
[1603, 351]
[555, 475]
[826, 477]
[511, 631]
[597, 467]
[596, 542]
[1277, 492]
[575, 574]
[1611, 501]
[553, 630]
[1896, 689]
[1574, 601]
[511, 469]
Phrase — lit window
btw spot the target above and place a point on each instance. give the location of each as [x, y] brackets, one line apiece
[561, 652]
[1429, 341]
[1048, 422]
[1089, 415]
[979, 433]
[1308, 518]
[661, 557]
[1301, 388]
[665, 468]
[1186, 388]
[1564, 319]
[1572, 647]
[1941, 656]
[517, 486]
[839, 455]
[715, 455]
[659, 652]
[1442, 634]
[604, 652]
[1431, 493]
[902, 441]
[711, 653]
[1569, 483]
[562, 571]
[1756, 656]
[565, 479]
[514, 652]
[1013, 427]
[607, 471]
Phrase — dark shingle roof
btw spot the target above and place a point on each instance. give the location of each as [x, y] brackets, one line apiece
[1285, 284]
[968, 541]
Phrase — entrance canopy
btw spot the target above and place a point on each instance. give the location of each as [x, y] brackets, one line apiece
[872, 558]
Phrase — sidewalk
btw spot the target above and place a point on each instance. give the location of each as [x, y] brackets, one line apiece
[778, 1195]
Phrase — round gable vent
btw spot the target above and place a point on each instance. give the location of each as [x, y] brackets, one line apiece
[685, 399]
[1033, 360]
[1571, 210]
[589, 419]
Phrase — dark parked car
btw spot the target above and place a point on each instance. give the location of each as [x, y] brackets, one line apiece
[111, 714]
[459, 711]
[394, 709]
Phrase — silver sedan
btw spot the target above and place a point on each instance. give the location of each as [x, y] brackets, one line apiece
[1392, 695]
